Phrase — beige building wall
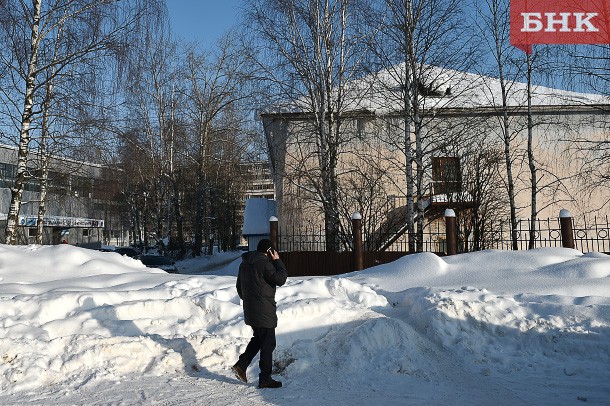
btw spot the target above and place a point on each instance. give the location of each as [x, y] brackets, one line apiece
[462, 121]
[372, 161]
[370, 170]
[561, 182]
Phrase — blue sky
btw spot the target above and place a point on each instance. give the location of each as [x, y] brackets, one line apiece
[202, 20]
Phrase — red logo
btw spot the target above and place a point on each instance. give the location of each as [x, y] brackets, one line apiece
[559, 22]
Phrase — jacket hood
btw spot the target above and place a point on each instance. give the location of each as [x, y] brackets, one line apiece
[252, 257]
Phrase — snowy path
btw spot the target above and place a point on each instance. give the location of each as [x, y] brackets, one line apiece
[451, 384]
[427, 374]
[443, 380]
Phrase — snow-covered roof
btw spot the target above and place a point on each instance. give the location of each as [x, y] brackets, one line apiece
[464, 90]
[256, 216]
[381, 93]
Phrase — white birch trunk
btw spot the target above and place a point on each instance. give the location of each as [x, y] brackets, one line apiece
[24, 134]
[505, 125]
[530, 157]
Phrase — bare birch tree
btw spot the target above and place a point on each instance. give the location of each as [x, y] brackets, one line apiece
[494, 17]
[27, 113]
[32, 33]
[308, 51]
[422, 45]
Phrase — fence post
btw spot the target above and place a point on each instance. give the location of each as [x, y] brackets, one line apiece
[357, 234]
[273, 231]
[567, 230]
[451, 232]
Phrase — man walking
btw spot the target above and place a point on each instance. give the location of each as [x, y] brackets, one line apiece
[260, 272]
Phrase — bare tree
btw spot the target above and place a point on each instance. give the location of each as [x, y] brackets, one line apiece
[24, 133]
[423, 47]
[494, 26]
[510, 65]
[33, 34]
[531, 160]
[308, 51]
[151, 94]
[482, 194]
[533, 62]
[216, 82]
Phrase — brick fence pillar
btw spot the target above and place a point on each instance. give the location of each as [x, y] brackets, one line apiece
[273, 231]
[567, 229]
[451, 232]
[358, 248]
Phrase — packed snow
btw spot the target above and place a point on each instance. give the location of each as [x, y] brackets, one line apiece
[504, 328]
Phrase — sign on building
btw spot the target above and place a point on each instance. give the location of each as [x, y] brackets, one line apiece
[58, 221]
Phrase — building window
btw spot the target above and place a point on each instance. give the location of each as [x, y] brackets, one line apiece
[446, 175]
[7, 174]
[32, 232]
[361, 127]
[86, 232]
[80, 186]
[3, 176]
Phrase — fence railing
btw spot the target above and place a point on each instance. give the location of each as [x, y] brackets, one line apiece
[305, 238]
[304, 250]
[590, 235]
[593, 237]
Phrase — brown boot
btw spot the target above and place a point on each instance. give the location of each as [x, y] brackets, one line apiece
[239, 373]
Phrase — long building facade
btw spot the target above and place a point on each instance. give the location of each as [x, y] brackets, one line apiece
[81, 205]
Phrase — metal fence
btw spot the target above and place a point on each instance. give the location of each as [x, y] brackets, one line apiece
[593, 237]
[589, 236]
[306, 238]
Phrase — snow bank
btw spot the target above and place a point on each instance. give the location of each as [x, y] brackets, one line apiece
[488, 327]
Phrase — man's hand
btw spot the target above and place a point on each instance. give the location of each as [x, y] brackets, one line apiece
[273, 254]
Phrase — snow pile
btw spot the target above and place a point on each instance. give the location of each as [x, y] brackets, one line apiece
[80, 326]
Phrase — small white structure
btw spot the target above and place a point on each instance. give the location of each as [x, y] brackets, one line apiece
[256, 220]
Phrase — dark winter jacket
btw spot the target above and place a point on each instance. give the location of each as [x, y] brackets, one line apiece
[256, 282]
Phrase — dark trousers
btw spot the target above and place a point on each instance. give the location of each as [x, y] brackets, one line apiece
[263, 340]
